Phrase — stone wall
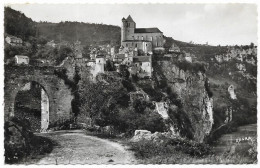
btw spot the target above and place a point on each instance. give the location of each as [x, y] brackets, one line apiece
[59, 94]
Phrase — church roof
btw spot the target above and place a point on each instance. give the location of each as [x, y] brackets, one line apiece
[142, 59]
[129, 19]
[147, 30]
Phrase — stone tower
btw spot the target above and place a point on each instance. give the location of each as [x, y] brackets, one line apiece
[128, 28]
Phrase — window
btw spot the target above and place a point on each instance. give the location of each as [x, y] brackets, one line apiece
[146, 44]
[126, 45]
[142, 37]
[135, 45]
[141, 64]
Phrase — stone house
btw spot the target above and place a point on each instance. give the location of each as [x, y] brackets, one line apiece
[219, 58]
[174, 48]
[118, 58]
[100, 64]
[142, 66]
[96, 66]
[188, 57]
[241, 67]
[14, 41]
[250, 59]
[21, 59]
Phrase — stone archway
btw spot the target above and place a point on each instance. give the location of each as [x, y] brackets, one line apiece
[32, 103]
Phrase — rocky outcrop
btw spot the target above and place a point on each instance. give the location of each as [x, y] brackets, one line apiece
[190, 88]
[162, 109]
[231, 91]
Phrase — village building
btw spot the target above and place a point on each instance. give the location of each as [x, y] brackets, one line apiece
[241, 67]
[143, 39]
[188, 56]
[174, 49]
[239, 57]
[14, 41]
[219, 58]
[250, 59]
[118, 58]
[142, 66]
[21, 59]
[100, 64]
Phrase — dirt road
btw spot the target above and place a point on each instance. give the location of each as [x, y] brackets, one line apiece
[74, 147]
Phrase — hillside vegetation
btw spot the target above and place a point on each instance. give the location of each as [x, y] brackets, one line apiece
[17, 24]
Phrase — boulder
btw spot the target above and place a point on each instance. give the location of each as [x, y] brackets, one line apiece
[141, 134]
[156, 137]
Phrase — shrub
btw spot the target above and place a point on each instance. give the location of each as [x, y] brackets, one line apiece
[147, 149]
[253, 150]
[193, 67]
[20, 142]
[128, 120]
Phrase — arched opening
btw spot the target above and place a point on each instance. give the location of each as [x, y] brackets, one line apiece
[32, 103]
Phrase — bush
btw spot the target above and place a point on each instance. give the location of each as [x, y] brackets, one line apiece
[147, 149]
[20, 142]
[128, 120]
[193, 67]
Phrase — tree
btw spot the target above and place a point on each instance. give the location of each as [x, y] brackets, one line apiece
[42, 40]
[252, 45]
[63, 52]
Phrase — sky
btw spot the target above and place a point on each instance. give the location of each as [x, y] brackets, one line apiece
[224, 24]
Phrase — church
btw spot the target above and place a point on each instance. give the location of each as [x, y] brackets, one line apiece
[144, 39]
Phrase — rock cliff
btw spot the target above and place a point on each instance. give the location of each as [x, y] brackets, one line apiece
[190, 88]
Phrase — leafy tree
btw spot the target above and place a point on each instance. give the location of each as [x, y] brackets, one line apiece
[63, 52]
[42, 40]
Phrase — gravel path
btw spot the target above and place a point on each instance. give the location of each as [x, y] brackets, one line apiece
[77, 148]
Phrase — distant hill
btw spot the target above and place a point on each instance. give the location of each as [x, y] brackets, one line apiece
[17, 24]
[87, 33]
[202, 52]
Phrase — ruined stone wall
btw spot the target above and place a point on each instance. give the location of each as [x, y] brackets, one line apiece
[58, 93]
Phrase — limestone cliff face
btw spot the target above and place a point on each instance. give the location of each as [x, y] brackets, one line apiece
[190, 88]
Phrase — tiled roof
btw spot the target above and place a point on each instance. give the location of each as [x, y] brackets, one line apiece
[141, 59]
[21, 56]
[147, 30]
[120, 56]
[100, 56]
